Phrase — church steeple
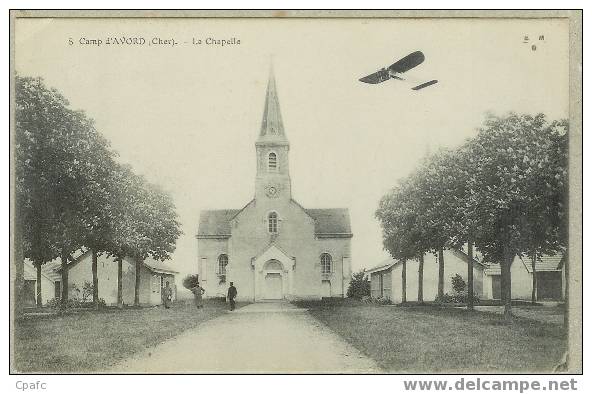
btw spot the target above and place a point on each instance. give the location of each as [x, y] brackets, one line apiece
[272, 147]
[272, 126]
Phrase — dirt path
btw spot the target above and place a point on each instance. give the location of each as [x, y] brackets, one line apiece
[259, 338]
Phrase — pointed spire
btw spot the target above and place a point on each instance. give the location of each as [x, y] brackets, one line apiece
[272, 127]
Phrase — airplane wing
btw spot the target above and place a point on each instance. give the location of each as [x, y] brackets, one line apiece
[403, 65]
[377, 77]
[425, 84]
[408, 62]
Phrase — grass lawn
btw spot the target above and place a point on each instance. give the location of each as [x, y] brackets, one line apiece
[429, 339]
[89, 341]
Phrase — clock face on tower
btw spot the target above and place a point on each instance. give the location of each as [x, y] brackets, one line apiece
[271, 190]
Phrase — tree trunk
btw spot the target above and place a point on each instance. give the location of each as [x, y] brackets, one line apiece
[470, 281]
[119, 283]
[137, 286]
[566, 296]
[95, 280]
[420, 281]
[440, 274]
[533, 297]
[64, 300]
[507, 283]
[502, 285]
[19, 263]
[404, 282]
[38, 299]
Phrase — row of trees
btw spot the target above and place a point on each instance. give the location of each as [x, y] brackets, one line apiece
[503, 192]
[71, 193]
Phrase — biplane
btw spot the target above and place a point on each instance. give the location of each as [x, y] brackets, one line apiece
[395, 70]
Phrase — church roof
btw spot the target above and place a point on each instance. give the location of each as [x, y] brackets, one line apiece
[332, 222]
[215, 223]
[272, 126]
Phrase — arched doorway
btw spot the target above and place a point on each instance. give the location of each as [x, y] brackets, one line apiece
[273, 288]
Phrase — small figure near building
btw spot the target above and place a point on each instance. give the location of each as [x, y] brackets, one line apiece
[167, 295]
[197, 293]
[232, 295]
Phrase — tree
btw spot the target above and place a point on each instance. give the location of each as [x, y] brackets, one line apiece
[71, 193]
[100, 200]
[75, 194]
[64, 168]
[125, 186]
[38, 119]
[547, 223]
[518, 175]
[359, 286]
[128, 219]
[423, 214]
[403, 230]
[487, 193]
[18, 281]
[470, 279]
[458, 284]
[145, 222]
[164, 230]
[504, 192]
[440, 273]
[445, 208]
[432, 192]
[404, 281]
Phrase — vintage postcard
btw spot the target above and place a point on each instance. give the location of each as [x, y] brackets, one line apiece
[309, 192]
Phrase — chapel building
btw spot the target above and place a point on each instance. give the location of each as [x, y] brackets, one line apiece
[273, 248]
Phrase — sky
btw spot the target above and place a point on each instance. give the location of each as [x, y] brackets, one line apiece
[187, 116]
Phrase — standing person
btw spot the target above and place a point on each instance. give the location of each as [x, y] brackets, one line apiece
[168, 295]
[197, 291]
[232, 295]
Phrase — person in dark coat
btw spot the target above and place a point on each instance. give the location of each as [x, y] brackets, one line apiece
[197, 291]
[232, 295]
[167, 295]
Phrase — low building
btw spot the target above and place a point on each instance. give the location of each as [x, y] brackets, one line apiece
[50, 283]
[550, 278]
[386, 278]
[154, 275]
[153, 278]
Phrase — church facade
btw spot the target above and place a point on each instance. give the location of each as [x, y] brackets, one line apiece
[273, 248]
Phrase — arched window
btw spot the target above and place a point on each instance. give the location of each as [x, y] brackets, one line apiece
[326, 263]
[222, 263]
[272, 161]
[272, 222]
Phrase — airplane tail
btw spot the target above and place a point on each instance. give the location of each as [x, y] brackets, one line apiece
[425, 84]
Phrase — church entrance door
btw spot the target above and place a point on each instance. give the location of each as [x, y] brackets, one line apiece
[273, 286]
